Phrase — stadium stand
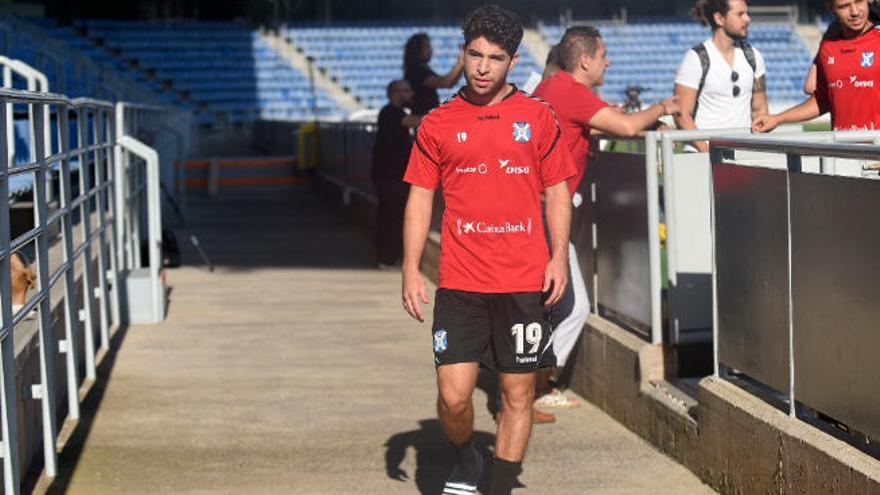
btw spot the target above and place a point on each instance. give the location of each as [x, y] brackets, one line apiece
[73, 66]
[364, 59]
[225, 69]
[648, 55]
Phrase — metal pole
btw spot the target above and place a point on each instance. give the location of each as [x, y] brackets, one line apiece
[794, 164]
[44, 391]
[71, 320]
[668, 152]
[101, 162]
[11, 477]
[120, 190]
[10, 129]
[154, 220]
[715, 155]
[116, 257]
[653, 199]
[85, 222]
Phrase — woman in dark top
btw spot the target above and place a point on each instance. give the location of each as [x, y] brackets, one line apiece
[424, 81]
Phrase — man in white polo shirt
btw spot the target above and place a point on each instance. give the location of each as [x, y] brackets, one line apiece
[720, 83]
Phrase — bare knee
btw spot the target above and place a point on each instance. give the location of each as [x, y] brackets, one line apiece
[453, 403]
[517, 392]
[518, 400]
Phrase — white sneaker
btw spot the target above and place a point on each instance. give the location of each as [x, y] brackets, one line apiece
[557, 399]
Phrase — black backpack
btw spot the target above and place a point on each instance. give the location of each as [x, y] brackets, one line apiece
[700, 48]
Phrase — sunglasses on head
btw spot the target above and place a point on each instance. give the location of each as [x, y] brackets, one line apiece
[734, 77]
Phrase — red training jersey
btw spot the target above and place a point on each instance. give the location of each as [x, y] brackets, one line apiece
[493, 162]
[575, 105]
[848, 81]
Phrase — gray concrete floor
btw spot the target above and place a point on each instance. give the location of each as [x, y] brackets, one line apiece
[293, 369]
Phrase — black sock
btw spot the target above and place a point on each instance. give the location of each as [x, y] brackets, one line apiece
[465, 462]
[504, 475]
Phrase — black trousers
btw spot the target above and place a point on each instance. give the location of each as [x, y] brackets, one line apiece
[392, 195]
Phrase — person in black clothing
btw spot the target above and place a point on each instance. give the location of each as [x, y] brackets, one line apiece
[416, 55]
[390, 156]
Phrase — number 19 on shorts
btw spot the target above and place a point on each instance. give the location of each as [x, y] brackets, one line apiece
[530, 335]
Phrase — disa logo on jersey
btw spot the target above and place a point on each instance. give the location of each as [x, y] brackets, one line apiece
[512, 169]
[854, 80]
[522, 132]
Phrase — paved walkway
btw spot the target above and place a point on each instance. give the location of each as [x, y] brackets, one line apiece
[292, 369]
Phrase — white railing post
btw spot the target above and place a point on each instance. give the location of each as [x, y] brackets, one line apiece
[154, 217]
[44, 391]
[9, 403]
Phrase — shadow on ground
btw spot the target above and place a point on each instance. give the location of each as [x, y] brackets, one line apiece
[433, 456]
[69, 456]
[277, 229]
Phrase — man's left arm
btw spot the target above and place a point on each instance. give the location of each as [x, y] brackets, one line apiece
[558, 200]
[759, 97]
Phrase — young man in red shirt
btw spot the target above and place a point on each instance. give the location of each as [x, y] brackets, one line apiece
[583, 60]
[494, 150]
[847, 76]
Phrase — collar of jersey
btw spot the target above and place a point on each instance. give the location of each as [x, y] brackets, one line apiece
[461, 94]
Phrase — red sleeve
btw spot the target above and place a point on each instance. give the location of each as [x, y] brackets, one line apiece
[554, 159]
[587, 105]
[423, 169]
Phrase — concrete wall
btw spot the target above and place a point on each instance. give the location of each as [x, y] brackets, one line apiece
[734, 441]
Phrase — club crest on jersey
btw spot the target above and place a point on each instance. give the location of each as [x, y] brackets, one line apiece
[867, 59]
[440, 344]
[522, 132]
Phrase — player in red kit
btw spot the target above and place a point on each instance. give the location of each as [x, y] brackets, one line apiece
[847, 77]
[494, 150]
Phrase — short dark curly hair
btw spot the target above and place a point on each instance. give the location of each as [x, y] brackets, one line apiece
[496, 24]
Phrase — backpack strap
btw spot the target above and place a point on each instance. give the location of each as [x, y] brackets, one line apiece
[701, 51]
[749, 53]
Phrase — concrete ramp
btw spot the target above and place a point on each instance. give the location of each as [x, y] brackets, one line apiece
[292, 369]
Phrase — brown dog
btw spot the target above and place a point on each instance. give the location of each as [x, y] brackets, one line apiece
[23, 279]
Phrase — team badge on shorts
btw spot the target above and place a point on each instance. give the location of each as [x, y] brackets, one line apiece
[867, 59]
[440, 341]
[522, 132]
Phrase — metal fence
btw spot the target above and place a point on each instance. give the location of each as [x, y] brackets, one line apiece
[633, 193]
[84, 246]
[345, 151]
[794, 274]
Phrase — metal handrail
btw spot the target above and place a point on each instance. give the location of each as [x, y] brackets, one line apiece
[796, 148]
[103, 187]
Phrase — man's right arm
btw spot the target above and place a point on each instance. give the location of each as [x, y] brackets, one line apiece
[807, 110]
[611, 121]
[687, 100]
[416, 222]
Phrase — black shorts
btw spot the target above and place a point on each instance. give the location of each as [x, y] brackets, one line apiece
[504, 332]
